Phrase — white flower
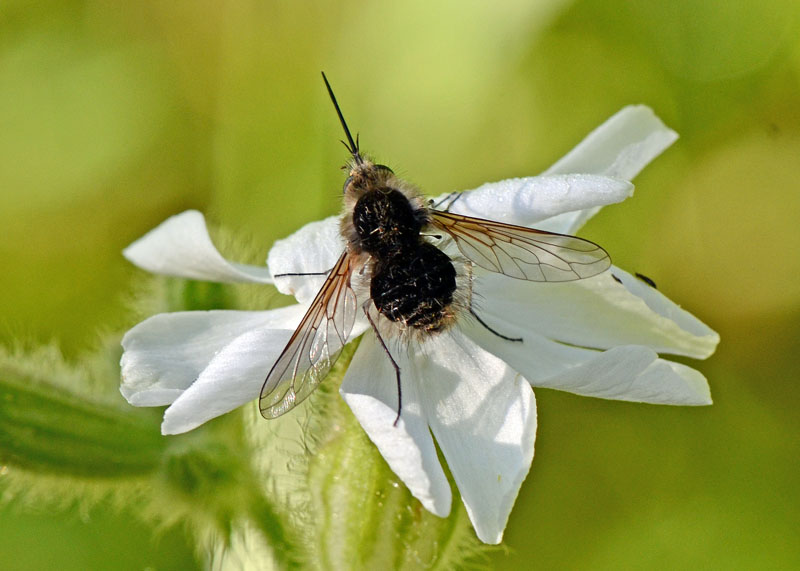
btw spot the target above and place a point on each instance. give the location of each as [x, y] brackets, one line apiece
[467, 388]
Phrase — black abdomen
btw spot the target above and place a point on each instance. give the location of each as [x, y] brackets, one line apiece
[415, 287]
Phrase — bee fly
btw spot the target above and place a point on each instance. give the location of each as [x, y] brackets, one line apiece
[414, 286]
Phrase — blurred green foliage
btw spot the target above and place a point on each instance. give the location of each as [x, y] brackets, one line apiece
[114, 116]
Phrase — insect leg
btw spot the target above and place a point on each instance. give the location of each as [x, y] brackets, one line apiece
[325, 273]
[500, 335]
[481, 321]
[452, 197]
[394, 364]
[646, 280]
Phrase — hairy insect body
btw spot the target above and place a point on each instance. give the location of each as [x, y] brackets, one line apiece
[386, 222]
[418, 282]
[415, 288]
[412, 281]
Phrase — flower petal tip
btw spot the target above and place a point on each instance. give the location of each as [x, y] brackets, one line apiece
[181, 247]
[172, 425]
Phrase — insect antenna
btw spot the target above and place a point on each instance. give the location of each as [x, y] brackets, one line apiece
[353, 146]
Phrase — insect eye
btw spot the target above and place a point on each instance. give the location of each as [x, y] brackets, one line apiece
[384, 168]
[346, 184]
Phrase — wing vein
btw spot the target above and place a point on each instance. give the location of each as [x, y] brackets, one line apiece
[520, 252]
[312, 349]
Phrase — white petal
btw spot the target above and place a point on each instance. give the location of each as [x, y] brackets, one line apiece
[596, 312]
[630, 372]
[528, 201]
[621, 147]
[370, 390]
[165, 354]
[314, 248]
[232, 378]
[634, 373]
[180, 246]
[483, 415]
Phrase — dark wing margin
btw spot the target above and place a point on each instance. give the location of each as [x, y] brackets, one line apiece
[314, 346]
[520, 252]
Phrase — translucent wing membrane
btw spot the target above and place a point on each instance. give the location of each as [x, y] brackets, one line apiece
[523, 253]
[314, 346]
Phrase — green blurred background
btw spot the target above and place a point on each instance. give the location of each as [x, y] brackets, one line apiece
[115, 115]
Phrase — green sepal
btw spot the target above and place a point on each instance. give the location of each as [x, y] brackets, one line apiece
[364, 517]
[193, 295]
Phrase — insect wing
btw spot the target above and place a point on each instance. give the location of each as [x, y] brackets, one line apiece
[520, 252]
[314, 346]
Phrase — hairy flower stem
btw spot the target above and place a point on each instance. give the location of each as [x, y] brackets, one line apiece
[47, 429]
